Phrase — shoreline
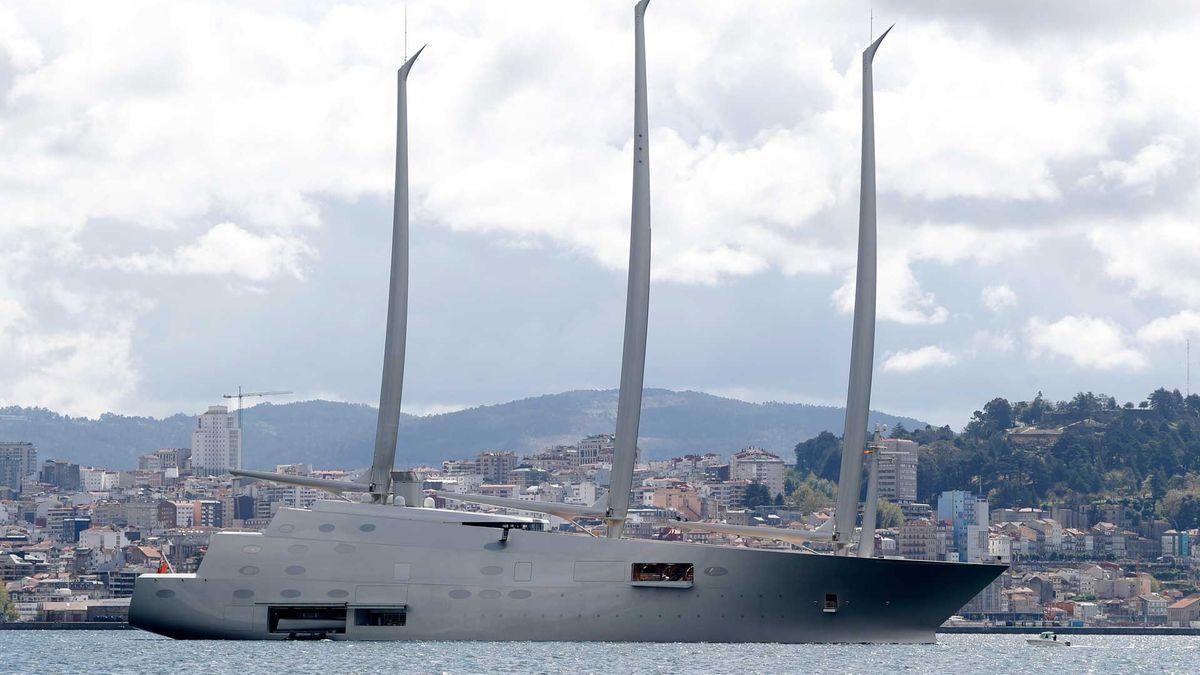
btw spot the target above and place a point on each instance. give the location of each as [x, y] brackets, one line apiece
[944, 630]
[1069, 630]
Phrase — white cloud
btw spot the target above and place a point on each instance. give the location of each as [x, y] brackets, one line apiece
[998, 298]
[1142, 172]
[1089, 342]
[229, 251]
[929, 356]
[1175, 328]
[1158, 256]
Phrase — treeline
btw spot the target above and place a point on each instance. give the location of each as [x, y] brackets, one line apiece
[1145, 455]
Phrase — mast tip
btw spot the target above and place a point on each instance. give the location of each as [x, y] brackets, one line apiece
[403, 70]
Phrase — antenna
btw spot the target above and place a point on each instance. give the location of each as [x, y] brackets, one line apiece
[1187, 358]
[406, 31]
[872, 25]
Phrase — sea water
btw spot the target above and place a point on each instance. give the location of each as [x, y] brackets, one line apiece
[138, 652]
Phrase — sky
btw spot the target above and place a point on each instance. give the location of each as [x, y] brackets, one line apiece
[197, 195]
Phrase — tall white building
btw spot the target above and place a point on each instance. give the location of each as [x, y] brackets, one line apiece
[216, 442]
[17, 460]
[758, 465]
[897, 470]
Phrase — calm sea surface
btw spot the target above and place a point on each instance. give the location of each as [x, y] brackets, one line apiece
[137, 652]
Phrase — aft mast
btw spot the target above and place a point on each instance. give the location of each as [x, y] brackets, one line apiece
[637, 300]
[862, 346]
[392, 386]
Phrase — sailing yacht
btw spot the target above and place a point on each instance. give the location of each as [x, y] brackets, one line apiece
[387, 568]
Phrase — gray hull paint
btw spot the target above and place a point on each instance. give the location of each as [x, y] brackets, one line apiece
[458, 582]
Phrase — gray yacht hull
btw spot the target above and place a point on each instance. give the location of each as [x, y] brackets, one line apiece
[450, 577]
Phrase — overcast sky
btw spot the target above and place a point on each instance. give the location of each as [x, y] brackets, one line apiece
[196, 195]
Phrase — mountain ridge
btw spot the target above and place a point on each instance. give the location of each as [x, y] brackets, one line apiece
[332, 434]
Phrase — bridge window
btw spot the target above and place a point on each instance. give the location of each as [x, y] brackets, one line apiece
[380, 617]
[831, 602]
[672, 572]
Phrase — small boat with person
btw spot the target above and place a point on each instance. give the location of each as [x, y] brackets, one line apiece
[1048, 639]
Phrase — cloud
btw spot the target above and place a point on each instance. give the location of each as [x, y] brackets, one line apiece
[1175, 328]
[1142, 172]
[1158, 257]
[929, 356]
[1087, 341]
[229, 251]
[998, 298]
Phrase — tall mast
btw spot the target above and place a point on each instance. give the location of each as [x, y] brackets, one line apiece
[390, 390]
[637, 300]
[862, 345]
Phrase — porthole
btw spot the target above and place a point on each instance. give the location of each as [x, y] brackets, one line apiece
[327, 527]
[243, 594]
[253, 548]
[491, 570]
[460, 594]
[519, 594]
[290, 593]
[367, 527]
[338, 593]
[489, 594]
[286, 528]
[344, 548]
[297, 549]
[294, 570]
[248, 570]
[165, 593]
[716, 571]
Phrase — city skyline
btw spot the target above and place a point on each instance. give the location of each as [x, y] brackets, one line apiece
[1035, 179]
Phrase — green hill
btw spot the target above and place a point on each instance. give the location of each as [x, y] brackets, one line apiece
[331, 434]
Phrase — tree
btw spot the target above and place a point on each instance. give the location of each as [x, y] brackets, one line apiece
[7, 611]
[821, 454]
[778, 500]
[1166, 403]
[757, 495]
[888, 515]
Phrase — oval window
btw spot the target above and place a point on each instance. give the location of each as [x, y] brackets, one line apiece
[297, 549]
[290, 593]
[367, 527]
[716, 571]
[491, 570]
[344, 548]
[249, 570]
[489, 594]
[286, 528]
[165, 593]
[338, 593]
[243, 594]
[251, 549]
[294, 570]
[460, 594]
[519, 594]
[327, 527]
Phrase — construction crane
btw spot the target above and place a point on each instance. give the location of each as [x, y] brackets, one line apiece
[249, 394]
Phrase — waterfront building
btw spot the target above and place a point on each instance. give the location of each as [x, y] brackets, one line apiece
[166, 458]
[896, 463]
[595, 449]
[216, 442]
[1176, 543]
[17, 460]
[962, 509]
[62, 475]
[758, 466]
[918, 539]
[495, 465]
